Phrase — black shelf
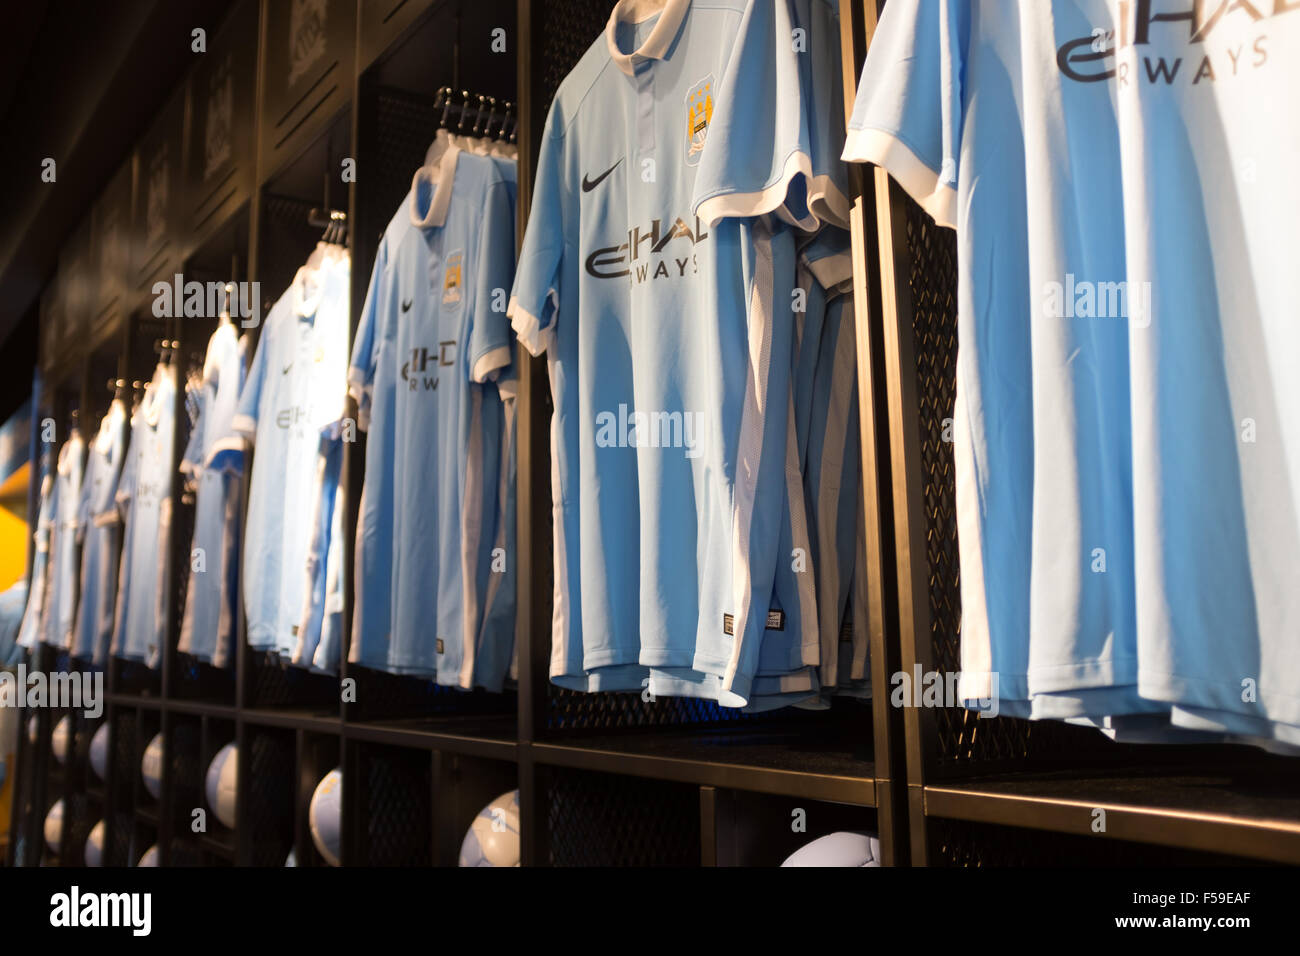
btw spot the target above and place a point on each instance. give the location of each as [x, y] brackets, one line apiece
[1216, 811]
[147, 815]
[763, 761]
[292, 719]
[149, 701]
[201, 708]
[492, 737]
[212, 845]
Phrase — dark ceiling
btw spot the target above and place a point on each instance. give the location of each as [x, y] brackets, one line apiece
[80, 81]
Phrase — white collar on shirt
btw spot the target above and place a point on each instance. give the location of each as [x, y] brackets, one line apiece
[441, 178]
[112, 421]
[661, 35]
[151, 404]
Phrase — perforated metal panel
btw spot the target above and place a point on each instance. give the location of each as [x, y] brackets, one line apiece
[567, 28]
[571, 710]
[396, 800]
[268, 810]
[277, 684]
[404, 126]
[287, 240]
[381, 696]
[599, 819]
[117, 853]
[78, 819]
[186, 773]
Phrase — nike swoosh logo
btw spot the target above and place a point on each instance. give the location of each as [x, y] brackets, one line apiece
[589, 184]
[406, 306]
[285, 370]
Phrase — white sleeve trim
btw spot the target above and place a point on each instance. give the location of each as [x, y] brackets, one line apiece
[528, 327]
[832, 271]
[919, 180]
[246, 426]
[738, 205]
[362, 392]
[489, 362]
[508, 388]
[827, 203]
[223, 444]
[357, 384]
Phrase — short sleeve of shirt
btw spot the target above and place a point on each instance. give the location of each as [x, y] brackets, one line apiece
[782, 86]
[535, 300]
[244, 423]
[212, 363]
[830, 259]
[908, 113]
[489, 333]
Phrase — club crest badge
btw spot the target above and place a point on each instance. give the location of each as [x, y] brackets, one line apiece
[451, 279]
[699, 111]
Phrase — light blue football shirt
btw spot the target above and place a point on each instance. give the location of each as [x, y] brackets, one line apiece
[434, 350]
[125, 482]
[782, 87]
[809, 634]
[832, 480]
[65, 580]
[667, 344]
[373, 553]
[207, 630]
[1126, 312]
[295, 383]
[145, 492]
[318, 631]
[373, 561]
[101, 524]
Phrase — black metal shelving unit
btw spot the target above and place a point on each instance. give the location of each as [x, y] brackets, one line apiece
[602, 778]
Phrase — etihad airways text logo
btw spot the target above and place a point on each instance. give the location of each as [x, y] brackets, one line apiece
[646, 256]
[293, 418]
[1140, 23]
[414, 369]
